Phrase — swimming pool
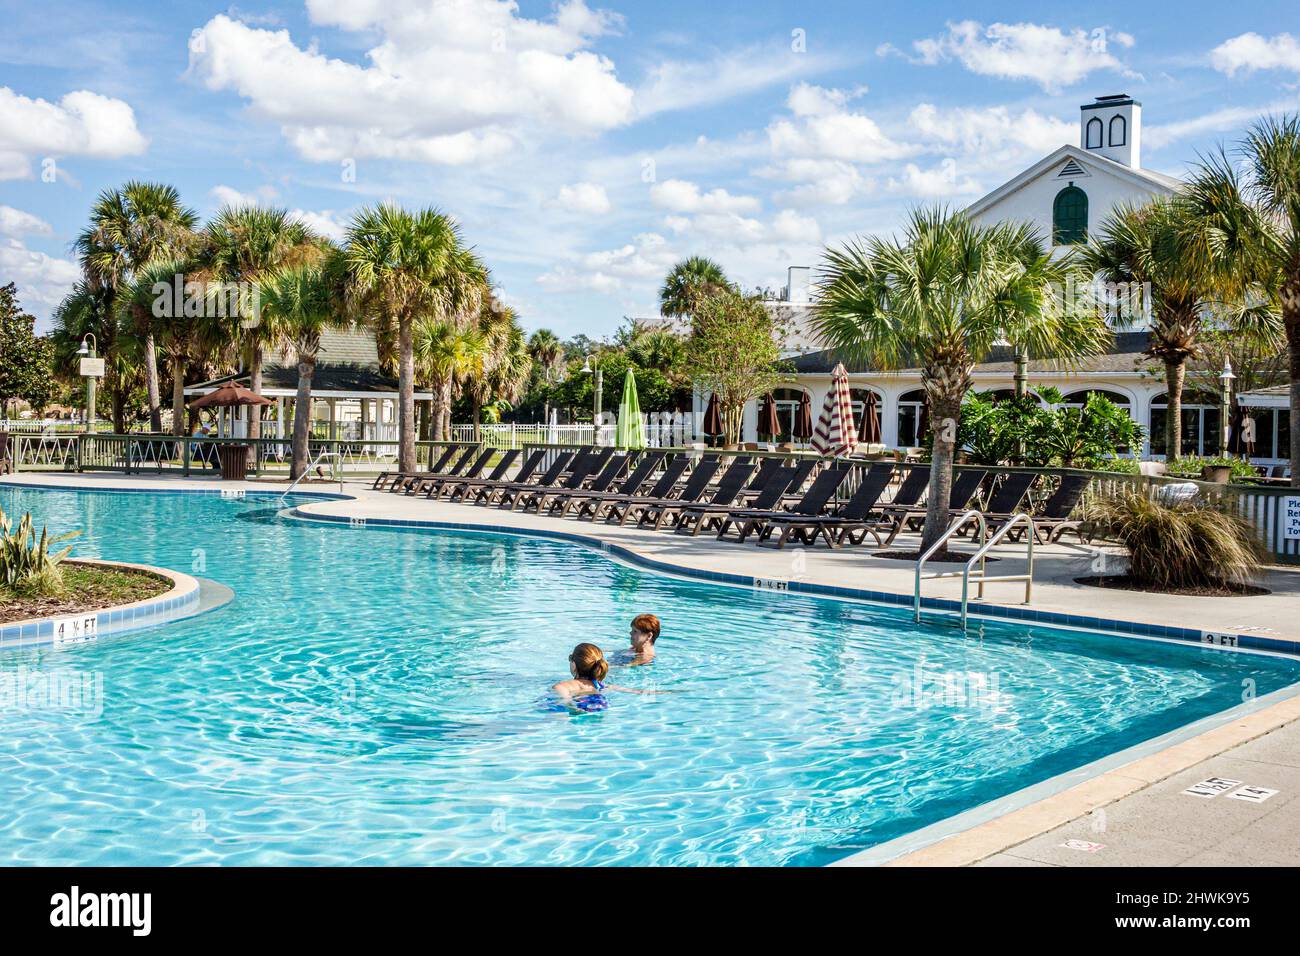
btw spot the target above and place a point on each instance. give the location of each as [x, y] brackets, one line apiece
[378, 697]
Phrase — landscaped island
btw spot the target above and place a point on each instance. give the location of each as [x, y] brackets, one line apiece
[86, 587]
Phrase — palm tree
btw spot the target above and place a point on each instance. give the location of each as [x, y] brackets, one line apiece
[129, 228]
[244, 244]
[687, 282]
[944, 296]
[506, 365]
[1146, 247]
[298, 305]
[405, 266]
[445, 354]
[91, 307]
[1245, 226]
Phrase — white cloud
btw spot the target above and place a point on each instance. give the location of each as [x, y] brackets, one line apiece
[681, 196]
[82, 123]
[680, 85]
[648, 257]
[325, 222]
[985, 129]
[42, 280]
[1250, 52]
[939, 182]
[451, 83]
[824, 129]
[15, 222]
[588, 199]
[789, 226]
[230, 196]
[1049, 56]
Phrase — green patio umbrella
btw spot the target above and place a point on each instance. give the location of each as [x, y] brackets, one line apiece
[631, 429]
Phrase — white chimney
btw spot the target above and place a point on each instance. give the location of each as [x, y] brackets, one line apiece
[1112, 127]
[799, 281]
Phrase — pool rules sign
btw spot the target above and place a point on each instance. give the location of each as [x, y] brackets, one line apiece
[1291, 516]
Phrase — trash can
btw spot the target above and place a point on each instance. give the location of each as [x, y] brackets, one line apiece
[234, 462]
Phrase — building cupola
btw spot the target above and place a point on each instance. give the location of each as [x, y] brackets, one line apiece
[1111, 126]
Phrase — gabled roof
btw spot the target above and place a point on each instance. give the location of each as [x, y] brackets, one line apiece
[1156, 183]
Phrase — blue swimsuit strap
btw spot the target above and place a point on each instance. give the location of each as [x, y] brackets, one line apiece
[598, 685]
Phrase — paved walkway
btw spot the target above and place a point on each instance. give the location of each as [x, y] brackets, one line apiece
[1135, 815]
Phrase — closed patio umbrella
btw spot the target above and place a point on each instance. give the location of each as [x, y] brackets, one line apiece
[768, 422]
[713, 418]
[923, 422]
[869, 430]
[229, 395]
[630, 433]
[803, 428]
[837, 433]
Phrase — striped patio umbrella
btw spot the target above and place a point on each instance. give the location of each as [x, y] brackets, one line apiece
[803, 429]
[630, 432]
[836, 433]
[869, 430]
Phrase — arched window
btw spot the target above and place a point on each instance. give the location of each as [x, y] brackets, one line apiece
[1118, 128]
[787, 407]
[1095, 129]
[1070, 216]
[912, 423]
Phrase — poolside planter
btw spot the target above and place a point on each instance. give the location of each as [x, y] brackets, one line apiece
[234, 462]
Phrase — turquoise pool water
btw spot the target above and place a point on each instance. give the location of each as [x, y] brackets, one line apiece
[378, 697]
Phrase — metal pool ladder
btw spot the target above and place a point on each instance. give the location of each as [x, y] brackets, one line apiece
[981, 576]
[338, 470]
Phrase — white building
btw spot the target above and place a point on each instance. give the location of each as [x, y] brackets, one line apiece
[1065, 193]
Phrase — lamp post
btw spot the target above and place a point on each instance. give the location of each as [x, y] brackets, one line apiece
[1226, 378]
[87, 350]
[598, 389]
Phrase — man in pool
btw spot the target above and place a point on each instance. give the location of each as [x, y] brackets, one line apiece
[643, 634]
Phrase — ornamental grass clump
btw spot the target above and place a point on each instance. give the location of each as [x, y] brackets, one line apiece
[1181, 546]
[26, 565]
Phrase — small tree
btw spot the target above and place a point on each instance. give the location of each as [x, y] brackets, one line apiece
[732, 352]
[26, 359]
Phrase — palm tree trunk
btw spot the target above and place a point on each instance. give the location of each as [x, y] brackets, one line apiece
[255, 385]
[1174, 374]
[1292, 319]
[178, 397]
[405, 394]
[302, 414]
[119, 410]
[477, 416]
[945, 412]
[151, 382]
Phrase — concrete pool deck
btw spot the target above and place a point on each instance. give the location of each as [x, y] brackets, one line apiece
[1145, 819]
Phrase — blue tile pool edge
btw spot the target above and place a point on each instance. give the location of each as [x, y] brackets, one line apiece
[65, 630]
[991, 612]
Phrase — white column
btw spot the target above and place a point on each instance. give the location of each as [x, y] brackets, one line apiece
[279, 417]
[889, 417]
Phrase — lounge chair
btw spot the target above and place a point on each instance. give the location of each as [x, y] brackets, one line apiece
[581, 470]
[472, 490]
[693, 519]
[695, 486]
[613, 470]
[728, 487]
[813, 502]
[617, 504]
[587, 498]
[1053, 519]
[475, 470]
[457, 466]
[506, 492]
[387, 477]
[457, 487]
[963, 488]
[1007, 498]
[850, 523]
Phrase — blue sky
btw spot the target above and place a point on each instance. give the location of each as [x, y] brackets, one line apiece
[585, 147]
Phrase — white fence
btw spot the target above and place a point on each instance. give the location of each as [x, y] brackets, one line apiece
[661, 431]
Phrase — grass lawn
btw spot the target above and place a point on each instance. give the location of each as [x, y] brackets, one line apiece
[85, 587]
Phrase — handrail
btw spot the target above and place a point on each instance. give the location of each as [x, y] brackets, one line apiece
[315, 461]
[943, 539]
[979, 555]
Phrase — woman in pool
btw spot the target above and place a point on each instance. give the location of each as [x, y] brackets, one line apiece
[586, 691]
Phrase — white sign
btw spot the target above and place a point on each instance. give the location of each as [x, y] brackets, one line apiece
[1211, 787]
[92, 367]
[1291, 516]
[1252, 794]
[75, 630]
